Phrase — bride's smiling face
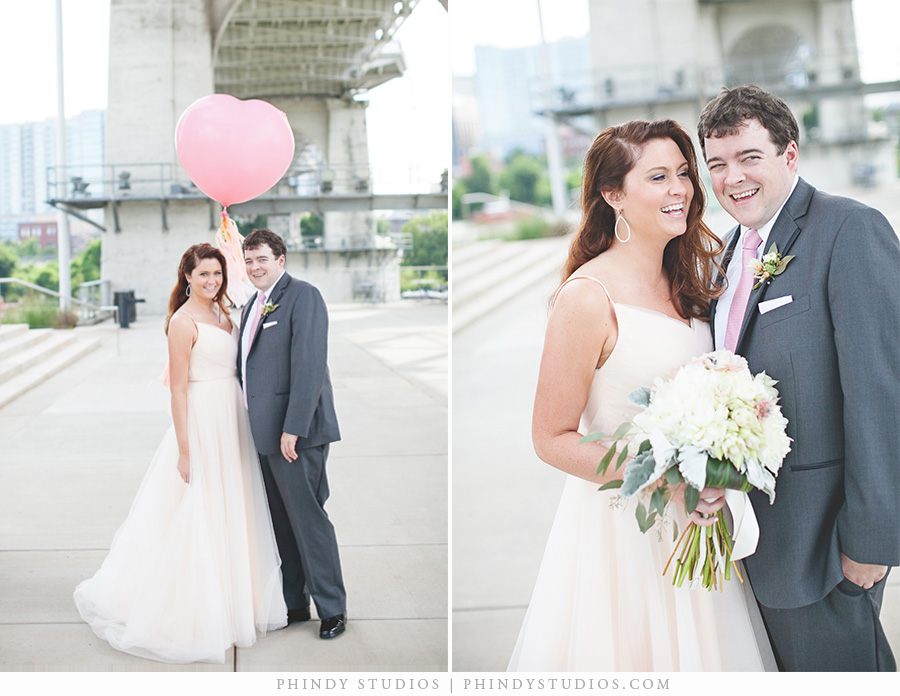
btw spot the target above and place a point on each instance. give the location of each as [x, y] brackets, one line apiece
[657, 192]
[206, 278]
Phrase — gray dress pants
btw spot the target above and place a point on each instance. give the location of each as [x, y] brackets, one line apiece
[310, 564]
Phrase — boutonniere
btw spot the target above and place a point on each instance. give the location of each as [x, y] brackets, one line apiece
[268, 308]
[771, 265]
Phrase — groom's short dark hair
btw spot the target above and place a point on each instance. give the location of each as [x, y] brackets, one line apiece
[725, 114]
[257, 238]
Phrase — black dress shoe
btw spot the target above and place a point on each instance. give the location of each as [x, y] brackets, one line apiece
[298, 615]
[333, 627]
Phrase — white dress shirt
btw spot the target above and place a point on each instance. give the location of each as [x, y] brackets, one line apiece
[734, 270]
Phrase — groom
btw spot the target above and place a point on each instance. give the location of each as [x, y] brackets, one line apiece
[827, 327]
[282, 358]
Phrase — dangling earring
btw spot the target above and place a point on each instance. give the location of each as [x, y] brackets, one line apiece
[621, 218]
[188, 290]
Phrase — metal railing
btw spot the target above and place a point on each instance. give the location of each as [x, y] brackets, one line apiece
[428, 288]
[87, 310]
[119, 182]
[95, 293]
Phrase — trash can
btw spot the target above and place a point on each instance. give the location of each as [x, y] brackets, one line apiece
[126, 303]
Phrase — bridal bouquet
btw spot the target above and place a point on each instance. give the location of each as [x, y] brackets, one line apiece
[712, 424]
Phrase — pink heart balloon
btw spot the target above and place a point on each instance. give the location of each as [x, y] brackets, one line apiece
[233, 150]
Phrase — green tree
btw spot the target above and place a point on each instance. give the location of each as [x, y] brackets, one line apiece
[459, 190]
[429, 240]
[29, 248]
[383, 227]
[521, 177]
[481, 180]
[245, 227]
[86, 265]
[573, 179]
[9, 259]
[44, 274]
[312, 226]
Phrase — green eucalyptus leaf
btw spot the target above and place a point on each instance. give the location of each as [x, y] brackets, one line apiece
[644, 446]
[592, 437]
[622, 458]
[640, 514]
[691, 498]
[610, 485]
[607, 458]
[673, 476]
[657, 502]
[621, 431]
[645, 521]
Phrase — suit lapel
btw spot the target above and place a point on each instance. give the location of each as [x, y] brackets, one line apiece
[784, 233]
[274, 298]
[280, 287]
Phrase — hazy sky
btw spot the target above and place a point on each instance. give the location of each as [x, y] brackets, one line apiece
[409, 118]
[514, 23]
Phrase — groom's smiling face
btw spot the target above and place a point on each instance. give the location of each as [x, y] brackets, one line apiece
[263, 267]
[749, 176]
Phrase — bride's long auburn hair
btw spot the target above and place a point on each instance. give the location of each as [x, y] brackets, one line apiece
[690, 258]
[191, 259]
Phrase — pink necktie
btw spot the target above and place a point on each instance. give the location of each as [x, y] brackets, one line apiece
[752, 241]
[260, 303]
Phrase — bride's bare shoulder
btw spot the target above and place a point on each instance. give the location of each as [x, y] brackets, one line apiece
[591, 285]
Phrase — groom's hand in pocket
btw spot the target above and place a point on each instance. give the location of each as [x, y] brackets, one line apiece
[289, 446]
[863, 574]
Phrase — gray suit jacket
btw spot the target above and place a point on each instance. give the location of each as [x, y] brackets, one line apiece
[288, 384]
[835, 351]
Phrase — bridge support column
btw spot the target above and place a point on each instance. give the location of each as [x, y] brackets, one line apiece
[146, 98]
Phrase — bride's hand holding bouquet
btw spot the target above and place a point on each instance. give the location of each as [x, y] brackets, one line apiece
[712, 425]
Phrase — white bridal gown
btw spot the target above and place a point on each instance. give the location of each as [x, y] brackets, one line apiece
[601, 602]
[194, 568]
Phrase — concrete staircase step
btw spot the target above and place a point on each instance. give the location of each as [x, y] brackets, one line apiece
[464, 254]
[490, 259]
[509, 261]
[23, 341]
[505, 288]
[8, 331]
[46, 368]
[12, 364]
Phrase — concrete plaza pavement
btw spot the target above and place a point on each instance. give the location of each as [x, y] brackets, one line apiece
[504, 497]
[75, 449]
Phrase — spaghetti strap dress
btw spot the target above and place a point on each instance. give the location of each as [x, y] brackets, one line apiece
[194, 568]
[601, 602]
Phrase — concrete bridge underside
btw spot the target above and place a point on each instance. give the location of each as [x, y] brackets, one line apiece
[313, 59]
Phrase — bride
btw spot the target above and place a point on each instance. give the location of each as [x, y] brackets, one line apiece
[634, 307]
[194, 568]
